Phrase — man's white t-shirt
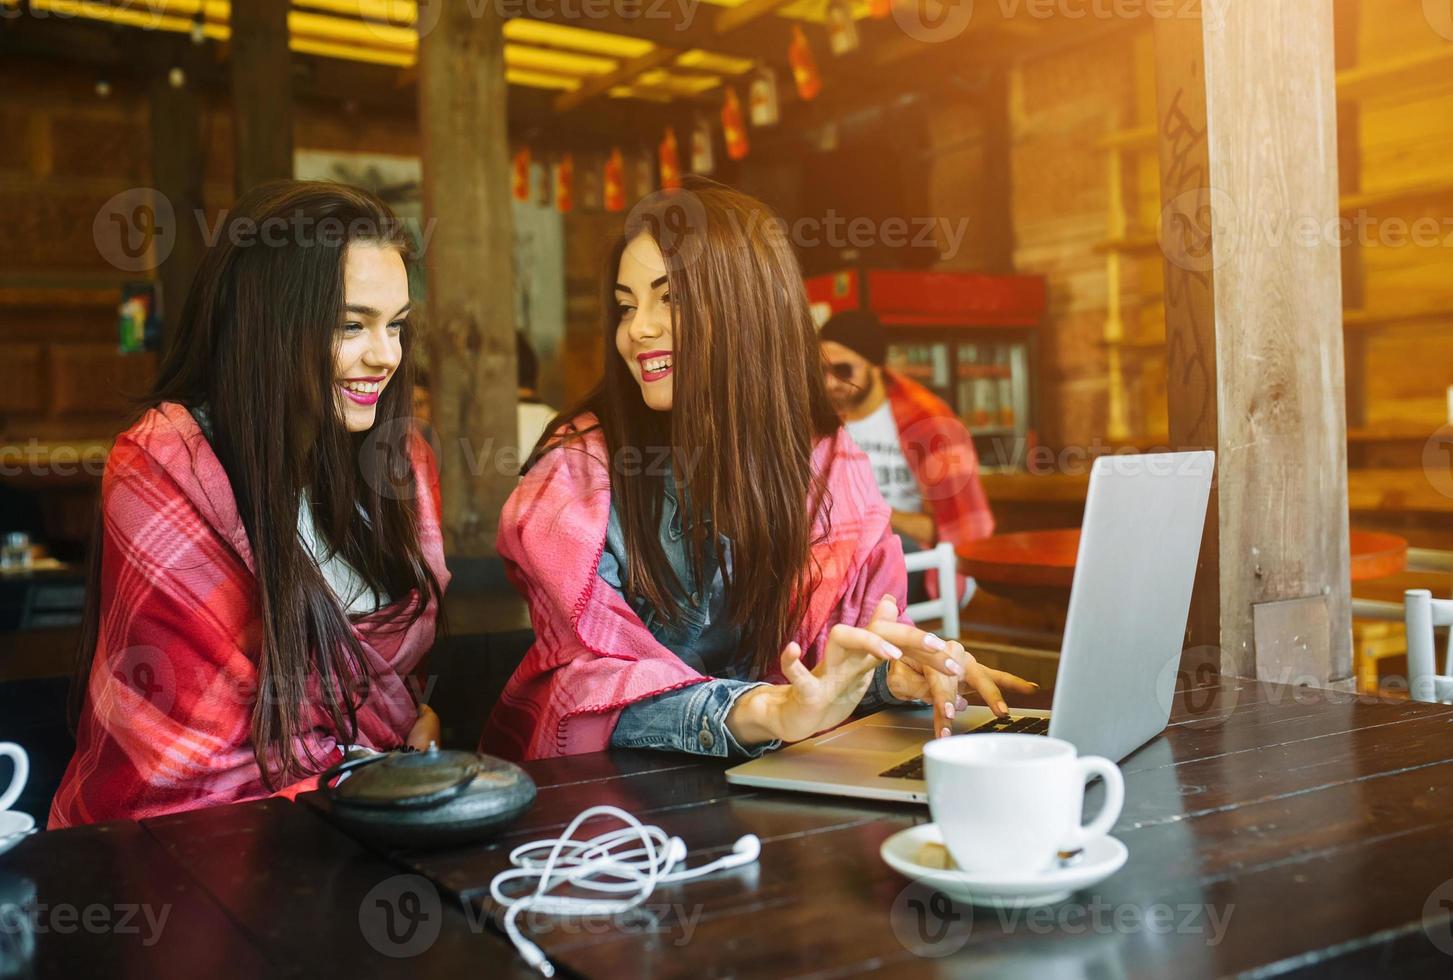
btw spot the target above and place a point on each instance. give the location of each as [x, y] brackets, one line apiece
[877, 435]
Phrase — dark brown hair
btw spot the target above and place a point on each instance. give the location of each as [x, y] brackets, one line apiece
[256, 347]
[748, 406]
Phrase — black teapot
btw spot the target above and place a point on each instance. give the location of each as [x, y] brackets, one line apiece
[434, 798]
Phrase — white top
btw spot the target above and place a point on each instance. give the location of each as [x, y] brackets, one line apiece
[877, 435]
[341, 577]
[532, 418]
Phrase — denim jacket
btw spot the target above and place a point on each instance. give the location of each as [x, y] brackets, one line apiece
[692, 719]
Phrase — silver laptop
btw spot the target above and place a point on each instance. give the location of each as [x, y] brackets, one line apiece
[1123, 636]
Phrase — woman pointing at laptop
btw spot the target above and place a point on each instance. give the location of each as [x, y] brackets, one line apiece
[708, 562]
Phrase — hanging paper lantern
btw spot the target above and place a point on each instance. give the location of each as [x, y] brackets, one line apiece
[880, 9]
[733, 127]
[703, 155]
[804, 66]
[643, 176]
[591, 188]
[762, 98]
[565, 183]
[615, 181]
[670, 160]
[842, 31]
[520, 181]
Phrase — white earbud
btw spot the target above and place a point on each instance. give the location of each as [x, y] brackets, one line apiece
[601, 864]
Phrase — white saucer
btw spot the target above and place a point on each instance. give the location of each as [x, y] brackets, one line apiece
[14, 828]
[1101, 859]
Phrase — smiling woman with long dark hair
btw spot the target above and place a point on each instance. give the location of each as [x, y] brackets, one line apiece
[269, 567]
[707, 559]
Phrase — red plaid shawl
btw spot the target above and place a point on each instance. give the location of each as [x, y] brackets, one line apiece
[167, 722]
[592, 654]
[941, 454]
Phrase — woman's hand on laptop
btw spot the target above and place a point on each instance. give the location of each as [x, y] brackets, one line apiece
[812, 700]
[940, 672]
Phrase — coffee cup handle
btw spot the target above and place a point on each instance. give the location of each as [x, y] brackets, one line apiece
[22, 773]
[1094, 765]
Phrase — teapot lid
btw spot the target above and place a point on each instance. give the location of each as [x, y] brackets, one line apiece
[409, 778]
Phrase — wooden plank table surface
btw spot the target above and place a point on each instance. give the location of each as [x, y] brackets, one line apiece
[1272, 831]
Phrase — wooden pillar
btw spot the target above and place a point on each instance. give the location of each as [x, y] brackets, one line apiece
[998, 179]
[177, 163]
[462, 118]
[262, 92]
[1248, 160]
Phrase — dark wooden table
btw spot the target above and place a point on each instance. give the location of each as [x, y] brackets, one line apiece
[1274, 830]
[1043, 562]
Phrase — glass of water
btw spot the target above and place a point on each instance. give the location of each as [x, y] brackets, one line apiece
[15, 551]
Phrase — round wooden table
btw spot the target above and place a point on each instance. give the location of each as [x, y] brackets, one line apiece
[1044, 561]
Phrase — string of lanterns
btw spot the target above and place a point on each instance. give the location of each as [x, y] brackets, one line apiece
[610, 181]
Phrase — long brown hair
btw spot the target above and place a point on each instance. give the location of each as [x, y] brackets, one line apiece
[256, 348]
[748, 406]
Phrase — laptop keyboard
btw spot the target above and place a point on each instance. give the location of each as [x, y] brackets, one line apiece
[913, 768]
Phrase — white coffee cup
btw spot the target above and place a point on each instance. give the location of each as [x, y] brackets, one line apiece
[1007, 804]
[22, 773]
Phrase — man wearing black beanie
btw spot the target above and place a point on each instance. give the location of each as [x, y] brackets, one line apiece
[922, 455]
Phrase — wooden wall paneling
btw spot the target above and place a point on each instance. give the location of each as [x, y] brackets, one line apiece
[97, 379]
[177, 168]
[1254, 321]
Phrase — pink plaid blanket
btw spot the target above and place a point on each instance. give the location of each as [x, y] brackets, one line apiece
[592, 654]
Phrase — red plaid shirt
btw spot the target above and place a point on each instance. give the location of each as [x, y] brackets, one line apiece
[941, 454]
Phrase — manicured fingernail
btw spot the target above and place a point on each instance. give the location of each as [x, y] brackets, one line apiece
[1001, 707]
[948, 710]
[890, 650]
[963, 704]
[934, 643]
[943, 733]
[955, 667]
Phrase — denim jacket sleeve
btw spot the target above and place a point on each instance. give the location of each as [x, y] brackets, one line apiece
[878, 696]
[692, 719]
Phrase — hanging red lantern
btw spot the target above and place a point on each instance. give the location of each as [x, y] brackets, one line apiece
[804, 65]
[734, 128]
[762, 98]
[670, 160]
[520, 178]
[564, 183]
[615, 181]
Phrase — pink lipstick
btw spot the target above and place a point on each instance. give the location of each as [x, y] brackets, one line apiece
[655, 365]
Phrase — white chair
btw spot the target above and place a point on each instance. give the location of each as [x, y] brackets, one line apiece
[1422, 613]
[946, 606]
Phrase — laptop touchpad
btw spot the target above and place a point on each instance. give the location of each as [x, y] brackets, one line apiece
[876, 738]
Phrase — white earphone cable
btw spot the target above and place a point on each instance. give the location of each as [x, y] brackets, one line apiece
[598, 865]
